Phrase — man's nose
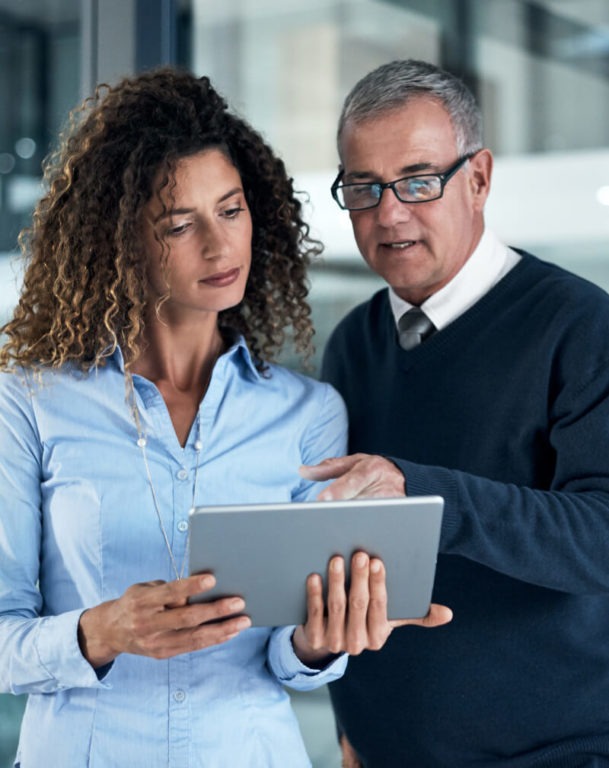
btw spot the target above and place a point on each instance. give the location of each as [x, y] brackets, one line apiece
[390, 210]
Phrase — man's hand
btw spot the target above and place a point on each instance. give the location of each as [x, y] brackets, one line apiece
[354, 621]
[348, 754]
[358, 476]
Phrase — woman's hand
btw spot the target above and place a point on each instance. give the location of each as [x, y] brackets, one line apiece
[356, 621]
[155, 619]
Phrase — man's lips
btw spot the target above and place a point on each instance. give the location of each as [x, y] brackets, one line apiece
[221, 279]
[400, 245]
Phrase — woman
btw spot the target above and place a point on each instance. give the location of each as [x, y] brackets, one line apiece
[164, 264]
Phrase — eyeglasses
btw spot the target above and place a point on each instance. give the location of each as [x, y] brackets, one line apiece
[410, 189]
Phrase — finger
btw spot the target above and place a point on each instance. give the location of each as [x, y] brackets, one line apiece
[158, 595]
[436, 617]
[352, 485]
[168, 644]
[220, 632]
[358, 601]
[328, 468]
[174, 593]
[370, 476]
[179, 592]
[378, 626]
[337, 606]
[196, 614]
[348, 754]
[314, 627]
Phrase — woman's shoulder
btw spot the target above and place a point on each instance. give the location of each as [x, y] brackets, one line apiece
[299, 386]
[36, 381]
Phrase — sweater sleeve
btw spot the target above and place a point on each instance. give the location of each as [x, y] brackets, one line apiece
[38, 654]
[556, 538]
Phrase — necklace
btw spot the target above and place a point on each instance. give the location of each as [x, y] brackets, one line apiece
[142, 442]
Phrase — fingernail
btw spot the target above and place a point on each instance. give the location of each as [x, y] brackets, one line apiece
[375, 566]
[237, 604]
[360, 559]
[337, 565]
[244, 622]
[207, 581]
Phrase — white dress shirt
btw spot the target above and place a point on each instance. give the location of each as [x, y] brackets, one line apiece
[490, 261]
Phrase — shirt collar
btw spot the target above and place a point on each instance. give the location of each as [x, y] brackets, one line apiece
[237, 353]
[489, 262]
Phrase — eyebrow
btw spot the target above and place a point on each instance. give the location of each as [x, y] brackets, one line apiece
[180, 211]
[407, 170]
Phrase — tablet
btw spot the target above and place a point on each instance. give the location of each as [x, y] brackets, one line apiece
[264, 552]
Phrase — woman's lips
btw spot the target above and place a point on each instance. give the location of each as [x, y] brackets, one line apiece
[221, 279]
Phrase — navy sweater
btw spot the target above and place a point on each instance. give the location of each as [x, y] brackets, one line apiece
[504, 413]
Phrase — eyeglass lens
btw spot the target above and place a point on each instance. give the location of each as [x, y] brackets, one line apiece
[409, 190]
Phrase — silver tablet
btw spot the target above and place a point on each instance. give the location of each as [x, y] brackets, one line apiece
[264, 552]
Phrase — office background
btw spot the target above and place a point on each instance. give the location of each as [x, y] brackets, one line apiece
[540, 69]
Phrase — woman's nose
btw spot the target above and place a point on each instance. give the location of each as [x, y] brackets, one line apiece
[213, 244]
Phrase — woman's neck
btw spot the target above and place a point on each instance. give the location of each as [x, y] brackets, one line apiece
[180, 361]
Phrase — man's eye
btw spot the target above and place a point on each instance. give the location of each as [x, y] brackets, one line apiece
[418, 188]
[364, 191]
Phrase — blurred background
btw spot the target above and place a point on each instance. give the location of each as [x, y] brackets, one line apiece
[540, 69]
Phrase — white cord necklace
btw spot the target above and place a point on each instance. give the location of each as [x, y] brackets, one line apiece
[142, 443]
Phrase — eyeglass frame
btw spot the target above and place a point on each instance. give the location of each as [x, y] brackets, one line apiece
[444, 177]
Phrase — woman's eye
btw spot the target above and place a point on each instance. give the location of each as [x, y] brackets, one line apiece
[232, 213]
[178, 229]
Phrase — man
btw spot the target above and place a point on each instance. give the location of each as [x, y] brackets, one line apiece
[502, 408]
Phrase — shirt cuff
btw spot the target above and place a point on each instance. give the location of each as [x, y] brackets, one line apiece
[59, 654]
[290, 670]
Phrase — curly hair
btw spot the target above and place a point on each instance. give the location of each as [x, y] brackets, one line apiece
[85, 287]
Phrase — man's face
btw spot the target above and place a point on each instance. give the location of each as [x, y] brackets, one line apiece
[416, 247]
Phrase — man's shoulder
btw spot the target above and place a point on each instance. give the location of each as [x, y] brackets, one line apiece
[557, 278]
[534, 282]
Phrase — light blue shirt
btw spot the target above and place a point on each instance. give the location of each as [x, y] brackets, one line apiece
[78, 526]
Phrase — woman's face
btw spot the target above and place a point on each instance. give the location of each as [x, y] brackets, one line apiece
[204, 221]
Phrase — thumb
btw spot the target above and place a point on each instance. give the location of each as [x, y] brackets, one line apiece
[438, 615]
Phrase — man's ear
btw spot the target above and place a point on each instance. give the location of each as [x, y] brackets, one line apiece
[481, 169]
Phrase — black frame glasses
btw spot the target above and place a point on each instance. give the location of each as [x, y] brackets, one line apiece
[363, 196]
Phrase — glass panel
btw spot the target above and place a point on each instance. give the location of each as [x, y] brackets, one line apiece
[39, 79]
[287, 67]
[39, 84]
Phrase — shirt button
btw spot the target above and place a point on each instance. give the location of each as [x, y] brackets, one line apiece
[179, 696]
[182, 474]
[182, 526]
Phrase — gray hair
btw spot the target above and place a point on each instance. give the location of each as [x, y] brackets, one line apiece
[391, 85]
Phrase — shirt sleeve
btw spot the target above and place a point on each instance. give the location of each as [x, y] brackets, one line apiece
[325, 437]
[38, 654]
[290, 671]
